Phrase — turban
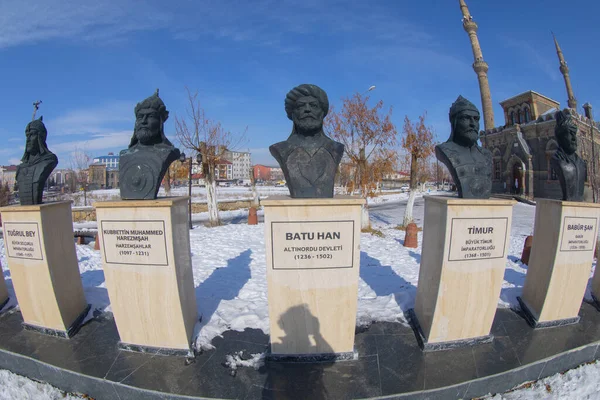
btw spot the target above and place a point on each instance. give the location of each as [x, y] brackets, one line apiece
[302, 91]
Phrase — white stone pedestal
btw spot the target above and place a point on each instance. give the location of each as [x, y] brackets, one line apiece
[145, 246]
[561, 258]
[41, 256]
[465, 244]
[313, 260]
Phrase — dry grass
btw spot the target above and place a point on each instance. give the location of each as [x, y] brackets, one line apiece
[403, 228]
[372, 231]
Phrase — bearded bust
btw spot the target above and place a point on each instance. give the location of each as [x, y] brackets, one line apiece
[309, 159]
[36, 165]
[469, 164]
[142, 166]
[569, 167]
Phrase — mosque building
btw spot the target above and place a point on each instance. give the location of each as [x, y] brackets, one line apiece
[523, 146]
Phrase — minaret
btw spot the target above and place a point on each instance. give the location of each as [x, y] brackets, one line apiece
[480, 67]
[564, 69]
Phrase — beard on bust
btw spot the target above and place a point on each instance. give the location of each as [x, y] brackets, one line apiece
[309, 126]
[146, 136]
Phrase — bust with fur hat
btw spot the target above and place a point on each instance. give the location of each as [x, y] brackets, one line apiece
[469, 164]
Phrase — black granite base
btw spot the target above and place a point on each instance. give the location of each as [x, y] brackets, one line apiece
[5, 302]
[69, 333]
[535, 324]
[391, 363]
[412, 319]
[595, 302]
[312, 358]
[162, 351]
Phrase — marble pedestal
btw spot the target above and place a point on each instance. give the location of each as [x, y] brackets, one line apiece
[465, 243]
[313, 260]
[41, 256]
[564, 238]
[145, 247]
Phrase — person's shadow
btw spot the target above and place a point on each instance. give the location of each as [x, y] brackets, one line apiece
[95, 295]
[385, 281]
[224, 283]
[301, 374]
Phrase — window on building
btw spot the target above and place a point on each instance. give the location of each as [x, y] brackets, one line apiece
[551, 173]
[519, 117]
[527, 116]
[512, 118]
[497, 169]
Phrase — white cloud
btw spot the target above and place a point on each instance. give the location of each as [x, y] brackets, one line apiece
[37, 20]
[93, 120]
[14, 161]
[96, 142]
[266, 23]
[532, 56]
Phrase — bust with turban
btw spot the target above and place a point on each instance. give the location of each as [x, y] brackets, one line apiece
[469, 164]
[143, 165]
[36, 165]
[569, 167]
[309, 159]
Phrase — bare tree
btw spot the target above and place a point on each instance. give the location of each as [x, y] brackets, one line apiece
[418, 142]
[80, 163]
[208, 138]
[369, 138]
[4, 194]
[177, 171]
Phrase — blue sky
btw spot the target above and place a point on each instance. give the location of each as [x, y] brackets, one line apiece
[91, 62]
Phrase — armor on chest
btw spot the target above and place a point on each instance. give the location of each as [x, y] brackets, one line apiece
[474, 169]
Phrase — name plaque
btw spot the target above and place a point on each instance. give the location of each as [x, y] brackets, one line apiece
[579, 234]
[23, 240]
[312, 245]
[477, 238]
[134, 242]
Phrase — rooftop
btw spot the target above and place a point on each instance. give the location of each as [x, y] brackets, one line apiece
[530, 92]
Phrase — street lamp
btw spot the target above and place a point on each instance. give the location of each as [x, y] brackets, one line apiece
[182, 159]
[369, 89]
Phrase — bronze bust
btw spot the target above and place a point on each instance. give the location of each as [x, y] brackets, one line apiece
[308, 158]
[469, 164]
[36, 165]
[142, 166]
[569, 167]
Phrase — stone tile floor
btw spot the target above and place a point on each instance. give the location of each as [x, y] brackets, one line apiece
[389, 363]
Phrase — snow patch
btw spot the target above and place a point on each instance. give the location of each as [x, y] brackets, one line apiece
[235, 360]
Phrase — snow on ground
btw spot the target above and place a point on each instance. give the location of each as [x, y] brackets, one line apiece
[230, 278]
[198, 193]
[13, 386]
[576, 384]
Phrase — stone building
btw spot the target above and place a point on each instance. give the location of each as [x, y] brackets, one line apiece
[8, 175]
[97, 176]
[522, 148]
[107, 177]
[240, 163]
